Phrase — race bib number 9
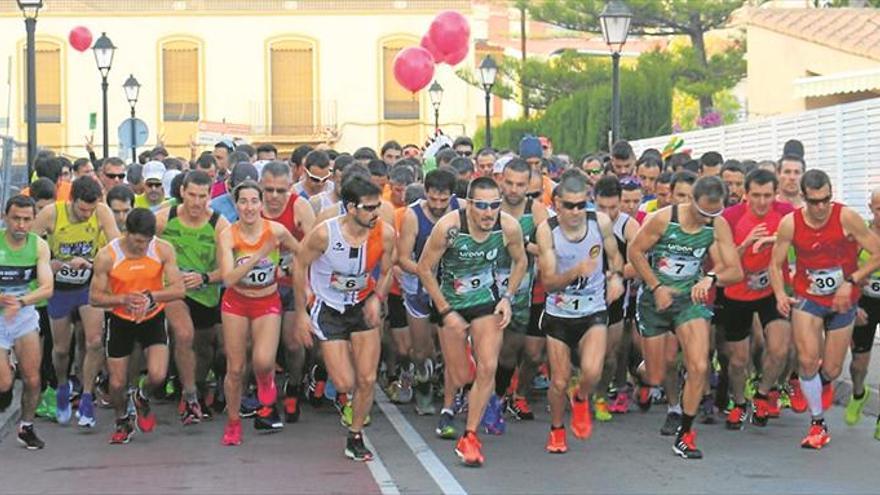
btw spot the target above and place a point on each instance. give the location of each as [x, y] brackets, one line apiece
[758, 281]
[872, 288]
[73, 276]
[348, 283]
[471, 283]
[679, 267]
[824, 282]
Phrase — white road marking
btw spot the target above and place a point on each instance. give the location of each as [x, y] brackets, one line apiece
[380, 473]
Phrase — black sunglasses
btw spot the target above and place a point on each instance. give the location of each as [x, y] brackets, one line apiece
[369, 208]
[154, 185]
[534, 194]
[571, 205]
[115, 176]
[818, 201]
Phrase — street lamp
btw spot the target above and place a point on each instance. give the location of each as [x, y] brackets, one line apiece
[436, 94]
[104, 50]
[488, 71]
[132, 87]
[30, 9]
[615, 19]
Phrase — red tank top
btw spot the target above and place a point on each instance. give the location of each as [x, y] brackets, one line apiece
[287, 218]
[825, 258]
[756, 280]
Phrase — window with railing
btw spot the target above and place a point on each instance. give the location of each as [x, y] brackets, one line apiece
[180, 81]
[292, 65]
[397, 102]
[48, 76]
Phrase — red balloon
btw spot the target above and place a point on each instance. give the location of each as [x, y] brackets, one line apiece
[427, 44]
[457, 57]
[80, 38]
[450, 32]
[414, 68]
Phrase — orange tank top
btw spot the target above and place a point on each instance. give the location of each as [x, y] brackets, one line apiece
[131, 275]
[263, 274]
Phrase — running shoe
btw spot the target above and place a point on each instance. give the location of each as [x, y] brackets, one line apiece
[556, 441]
[146, 418]
[519, 408]
[249, 405]
[644, 398]
[707, 410]
[540, 382]
[123, 432]
[63, 409]
[774, 406]
[347, 416]
[671, 424]
[784, 399]
[601, 408]
[460, 401]
[761, 411]
[102, 391]
[854, 408]
[828, 396]
[207, 414]
[317, 381]
[28, 438]
[737, 417]
[468, 450]
[796, 395]
[232, 433]
[620, 404]
[291, 409]
[192, 413]
[581, 422]
[268, 419]
[355, 448]
[686, 445]
[446, 426]
[817, 437]
[751, 386]
[405, 385]
[424, 395]
[493, 417]
[86, 412]
[877, 430]
[392, 391]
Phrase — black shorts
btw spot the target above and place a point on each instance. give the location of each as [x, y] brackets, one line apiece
[330, 324]
[737, 316]
[615, 310]
[202, 316]
[396, 312]
[123, 334]
[534, 329]
[718, 306]
[469, 314]
[630, 307]
[570, 331]
[863, 336]
[287, 301]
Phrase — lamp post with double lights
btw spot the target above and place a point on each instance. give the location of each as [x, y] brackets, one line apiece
[488, 71]
[436, 94]
[104, 51]
[30, 9]
[132, 88]
[615, 19]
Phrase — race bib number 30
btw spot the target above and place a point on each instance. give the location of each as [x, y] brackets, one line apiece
[348, 283]
[73, 276]
[471, 283]
[679, 267]
[824, 282]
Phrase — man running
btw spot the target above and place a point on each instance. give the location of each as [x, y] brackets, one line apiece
[676, 289]
[754, 225]
[75, 232]
[573, 246]
[25, 279]
[348, 260]
[466, 244]
[826, 236]
[135, 276]
[192, 230]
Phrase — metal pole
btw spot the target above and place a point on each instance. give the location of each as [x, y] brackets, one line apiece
[436, 119]
[106, 127]
[615, 97]
[31, 27]
[488, 120]
[133, 138]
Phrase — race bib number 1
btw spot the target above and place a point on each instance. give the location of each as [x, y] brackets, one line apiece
[824, 282]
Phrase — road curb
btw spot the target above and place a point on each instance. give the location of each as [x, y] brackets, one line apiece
[9, 417]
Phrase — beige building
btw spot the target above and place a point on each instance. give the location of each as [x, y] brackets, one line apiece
[279, 71]
[802, 59]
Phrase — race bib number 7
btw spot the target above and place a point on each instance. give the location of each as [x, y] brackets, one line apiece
[824, 282]
[679, 267]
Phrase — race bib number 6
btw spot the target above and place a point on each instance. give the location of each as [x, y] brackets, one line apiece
[872, 288]
[348, 283]
[824, 282]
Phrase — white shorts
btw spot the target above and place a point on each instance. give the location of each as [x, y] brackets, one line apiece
[26, 321]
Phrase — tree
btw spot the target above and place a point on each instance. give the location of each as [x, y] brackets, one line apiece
[700, 75]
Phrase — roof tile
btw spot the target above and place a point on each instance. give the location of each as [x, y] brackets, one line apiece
[855, 31]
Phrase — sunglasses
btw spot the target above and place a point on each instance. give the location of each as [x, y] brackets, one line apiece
[274, 190]
[534, 194]
[594, 171]
[115, 176]
[707, 214]
[154, 185]
[486, 205]
[465, 153]
[818, 201]
[572, 205]
[369, 208]
[319, 180]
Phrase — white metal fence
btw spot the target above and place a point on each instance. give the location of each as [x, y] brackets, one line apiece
[842, 140]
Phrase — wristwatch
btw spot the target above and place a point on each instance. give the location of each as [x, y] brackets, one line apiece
[205, 279]
[508, 296]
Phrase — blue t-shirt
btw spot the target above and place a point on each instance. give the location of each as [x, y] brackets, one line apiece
[225, 206]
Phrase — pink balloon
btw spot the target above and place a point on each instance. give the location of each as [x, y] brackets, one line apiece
[427, 44]
[450, 32]
[80, 38]
[457, 57]
[414, 68]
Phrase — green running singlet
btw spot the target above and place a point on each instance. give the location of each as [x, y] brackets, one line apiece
[196, 252]
[467, 268]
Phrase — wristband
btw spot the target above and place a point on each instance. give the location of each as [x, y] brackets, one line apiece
[713, 276]
[652, 289]
[850, 279]
[205, 279]
[507, 296]
[443, 314]
[152, 301]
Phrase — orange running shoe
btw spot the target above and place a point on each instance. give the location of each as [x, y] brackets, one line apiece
[556, 443]
[644, 398]
[519, 408]
[737, 417]
[232, 433]
[817, 437]
[468, 450]
[827, 396]
[581, 421]
[762, 411]
[798, 400]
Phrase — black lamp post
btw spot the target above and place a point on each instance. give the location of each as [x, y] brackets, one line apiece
[30, 9]
[615, 19]
[436, 94]
[104, 50]
[132, 88]
[488, 71]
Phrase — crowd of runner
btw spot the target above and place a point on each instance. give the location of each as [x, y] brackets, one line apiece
[241, 284]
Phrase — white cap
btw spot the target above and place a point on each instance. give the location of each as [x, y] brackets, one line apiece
[500, 163]
[154, 170]
[166, 181]
[259, 164]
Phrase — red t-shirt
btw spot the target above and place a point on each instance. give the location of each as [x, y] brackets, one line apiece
[288, 219]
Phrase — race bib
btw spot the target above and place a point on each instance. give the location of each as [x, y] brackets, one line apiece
[872, 288]
[758, 281]
[824, 282]
[679, 267]
[259, 276]
[502, 279]
[470, 283]
[574, 303]
[348, 283]
[73, 276]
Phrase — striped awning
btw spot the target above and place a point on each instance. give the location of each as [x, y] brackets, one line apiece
[841, 82]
